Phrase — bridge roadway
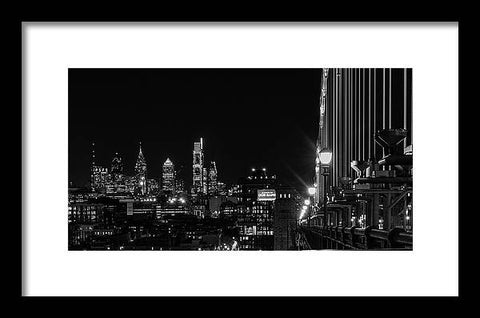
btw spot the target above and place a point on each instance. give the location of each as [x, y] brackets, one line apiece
[353, 238]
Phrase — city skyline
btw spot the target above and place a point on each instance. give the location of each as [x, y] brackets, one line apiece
[116, 166]
[257, 177]
[101, 104]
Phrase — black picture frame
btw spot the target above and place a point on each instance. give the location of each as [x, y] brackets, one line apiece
[33, 14]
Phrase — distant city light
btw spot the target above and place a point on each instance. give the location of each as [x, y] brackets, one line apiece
[307, 202]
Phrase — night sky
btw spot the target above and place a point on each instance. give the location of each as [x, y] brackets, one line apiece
[247, 117]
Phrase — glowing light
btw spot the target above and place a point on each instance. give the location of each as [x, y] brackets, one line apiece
[307, 202]
[302, 214]
[312, 190]
[325, 156]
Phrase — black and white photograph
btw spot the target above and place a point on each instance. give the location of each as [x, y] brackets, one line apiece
[240, 159]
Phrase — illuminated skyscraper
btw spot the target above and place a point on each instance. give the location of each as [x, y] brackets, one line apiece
[116, 178]
[212, 179]
[168, 176]
[99, 178]
[222, 188]
[204, 180]
[92, 169]
[141, 172]
[197, 186]
[179, 182]
[117, 168]
[98, 174]
[179, 185]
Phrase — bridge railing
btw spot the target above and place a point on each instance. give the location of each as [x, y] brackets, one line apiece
[356, 238]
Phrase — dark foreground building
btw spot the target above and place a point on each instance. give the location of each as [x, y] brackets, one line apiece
[285, 217]
[267, 213]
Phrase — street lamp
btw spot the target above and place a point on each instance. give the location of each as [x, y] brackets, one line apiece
[311, 191]
[325, 160]
[302, 213]
[325, 156]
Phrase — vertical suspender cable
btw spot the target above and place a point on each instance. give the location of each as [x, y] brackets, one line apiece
[352, 143]
[339, 116]
[354, 115]
[359, 115]
[345, 123]
[374, 111]
[363, 114]
[334, 97]
[369, 113]
[335, 123]
[338, 128]
[405, 104]
[383, 96]
[340, 124]
[347, 108]
[390, 98]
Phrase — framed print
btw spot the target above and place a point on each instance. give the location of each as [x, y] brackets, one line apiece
[240, 159]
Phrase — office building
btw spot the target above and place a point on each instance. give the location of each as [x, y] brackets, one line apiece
[255, 215]
[212, 179]
[117, 167]
[168, 176]
[141, 173]
[198, 169]
[98, 175]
